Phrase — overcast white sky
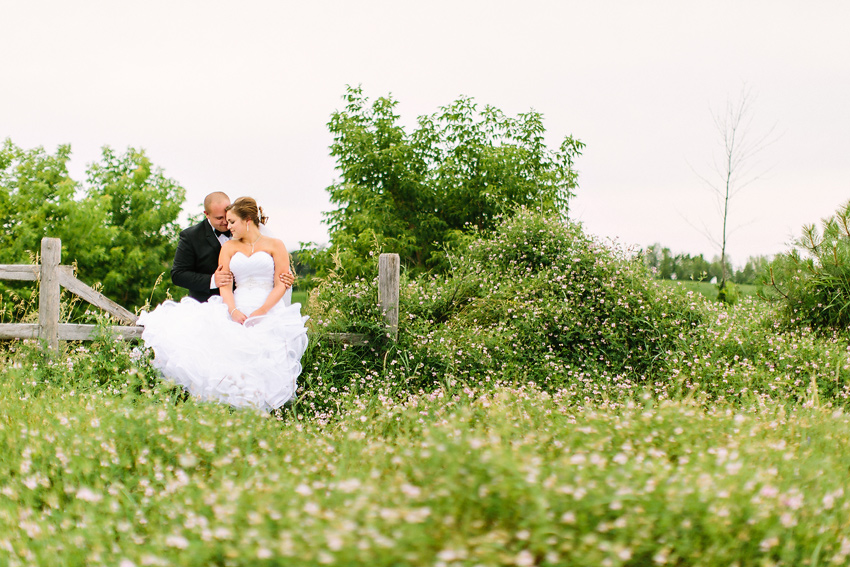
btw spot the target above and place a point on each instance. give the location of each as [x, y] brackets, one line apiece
[235, 96]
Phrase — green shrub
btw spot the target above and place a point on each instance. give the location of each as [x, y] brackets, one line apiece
[538, 301]
[812, 280]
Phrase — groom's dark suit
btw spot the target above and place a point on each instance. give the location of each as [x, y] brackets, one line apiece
[196, 260]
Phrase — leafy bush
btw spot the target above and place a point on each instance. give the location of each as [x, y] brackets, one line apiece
[538, 301]
[813, 278]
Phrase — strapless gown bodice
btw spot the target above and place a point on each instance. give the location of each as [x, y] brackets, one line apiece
[254, 277]
[198, 346]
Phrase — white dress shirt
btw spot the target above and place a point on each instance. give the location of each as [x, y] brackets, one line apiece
[222, 238]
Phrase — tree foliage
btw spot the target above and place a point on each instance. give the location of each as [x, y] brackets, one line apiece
[418, 193]
[142, 207]
[119, 227]
[668, 266]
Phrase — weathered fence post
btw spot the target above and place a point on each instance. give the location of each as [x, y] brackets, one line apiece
[48, 293]
[388, 282]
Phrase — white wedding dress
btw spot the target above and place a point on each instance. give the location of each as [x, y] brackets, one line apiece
[199, 347]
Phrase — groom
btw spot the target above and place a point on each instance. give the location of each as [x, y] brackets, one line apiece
[196, 259]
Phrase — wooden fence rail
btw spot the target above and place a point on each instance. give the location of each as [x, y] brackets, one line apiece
[53, 276]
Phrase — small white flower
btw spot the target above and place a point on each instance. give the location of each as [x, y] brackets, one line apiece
[828, 501]
[524, 559]
[768, 491]
[334, 542]
[177, 541]
[187, 460]
[88, 495]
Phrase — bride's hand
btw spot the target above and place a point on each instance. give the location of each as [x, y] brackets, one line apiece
[238, 316]
[256, 313]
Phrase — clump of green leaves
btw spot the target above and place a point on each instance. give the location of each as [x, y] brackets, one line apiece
[812, 280]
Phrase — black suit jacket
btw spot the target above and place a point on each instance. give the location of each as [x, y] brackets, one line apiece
[195, 260]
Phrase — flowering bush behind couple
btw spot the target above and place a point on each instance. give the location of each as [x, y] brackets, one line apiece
[237, 338]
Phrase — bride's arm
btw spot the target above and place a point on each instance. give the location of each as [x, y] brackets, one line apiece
[226, 291]
[281, 265]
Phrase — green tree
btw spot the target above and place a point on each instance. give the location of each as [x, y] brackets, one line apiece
[38, 199]
[119, 228]
[419, 193]
[694, 268]
[754, 269]
[652, 258]
[142, 206]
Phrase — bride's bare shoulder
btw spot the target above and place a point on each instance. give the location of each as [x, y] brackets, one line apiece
[277, 244]
[228, 249]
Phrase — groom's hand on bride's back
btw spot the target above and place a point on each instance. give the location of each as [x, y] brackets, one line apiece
[222, 278]
[287, 278]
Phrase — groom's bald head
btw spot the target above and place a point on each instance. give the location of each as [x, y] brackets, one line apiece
[214, 209]
[214, 199]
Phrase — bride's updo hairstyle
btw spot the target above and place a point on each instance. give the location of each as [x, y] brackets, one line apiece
[246, 208]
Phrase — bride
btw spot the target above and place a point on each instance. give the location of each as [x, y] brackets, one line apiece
[243, 348]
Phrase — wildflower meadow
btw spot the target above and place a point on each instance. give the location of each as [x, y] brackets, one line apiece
[546, 403]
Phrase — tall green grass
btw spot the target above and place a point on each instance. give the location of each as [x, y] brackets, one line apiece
[120, 475]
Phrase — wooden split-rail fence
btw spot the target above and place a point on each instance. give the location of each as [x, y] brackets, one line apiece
[52, 276]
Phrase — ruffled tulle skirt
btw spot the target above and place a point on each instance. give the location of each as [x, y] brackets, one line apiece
[199, 347]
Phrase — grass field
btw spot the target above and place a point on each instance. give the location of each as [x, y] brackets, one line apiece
[507, 476]
[300, 297]
[709, 290]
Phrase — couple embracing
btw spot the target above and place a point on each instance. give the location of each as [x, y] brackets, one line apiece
[237, 338]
